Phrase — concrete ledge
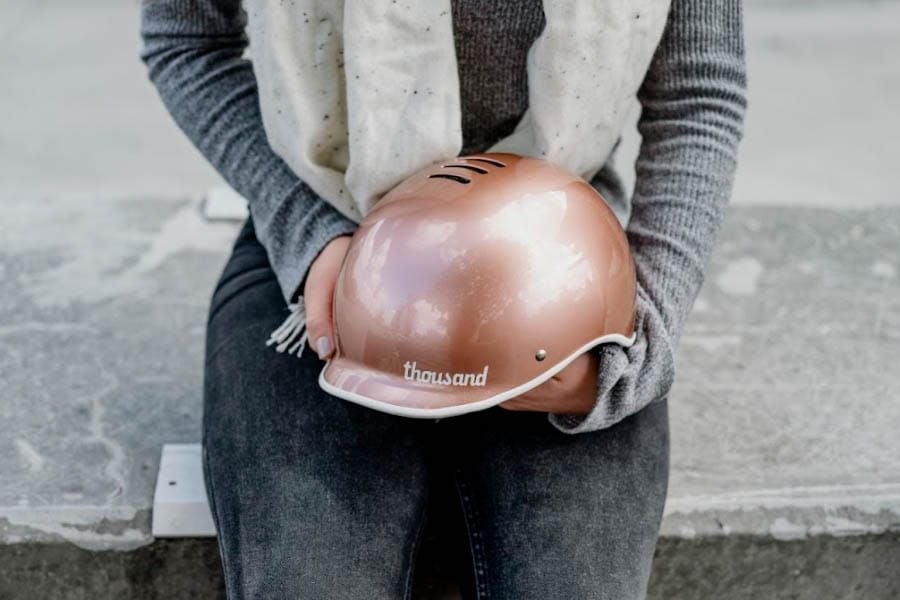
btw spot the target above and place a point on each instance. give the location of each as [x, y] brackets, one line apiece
[733, 567]
[786, 514]
[64, 571]
[784, 416]
[181, 507]
[739, 567]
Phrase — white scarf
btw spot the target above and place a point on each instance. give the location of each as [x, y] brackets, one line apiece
[356, 95]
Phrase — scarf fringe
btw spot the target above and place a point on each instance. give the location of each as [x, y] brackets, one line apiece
[291, 335]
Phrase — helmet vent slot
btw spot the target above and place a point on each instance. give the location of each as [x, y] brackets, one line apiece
[489, 161]
[480, 170]
[456, 178]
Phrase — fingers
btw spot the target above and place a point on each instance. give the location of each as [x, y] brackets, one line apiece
[317, 298]
[572, 390]
[318, 293]
[536, 399]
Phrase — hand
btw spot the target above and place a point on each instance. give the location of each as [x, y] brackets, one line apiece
[318, 292]
[572, 391]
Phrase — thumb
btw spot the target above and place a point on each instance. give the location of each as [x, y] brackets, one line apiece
[317, 304]
[318, 293]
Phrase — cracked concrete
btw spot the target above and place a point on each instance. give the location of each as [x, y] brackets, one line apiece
[88, 527]
[95, 298]
[784, 413]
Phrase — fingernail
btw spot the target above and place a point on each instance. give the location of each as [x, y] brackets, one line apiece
[323, 347]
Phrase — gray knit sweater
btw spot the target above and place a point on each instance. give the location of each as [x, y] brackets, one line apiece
[693, 103]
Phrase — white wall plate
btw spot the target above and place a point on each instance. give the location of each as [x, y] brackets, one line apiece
[224, 204]
[180, 505]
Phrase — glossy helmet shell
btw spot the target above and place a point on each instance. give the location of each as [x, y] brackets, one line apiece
[473, 281]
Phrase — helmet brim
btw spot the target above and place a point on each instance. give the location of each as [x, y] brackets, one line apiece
[393, 394]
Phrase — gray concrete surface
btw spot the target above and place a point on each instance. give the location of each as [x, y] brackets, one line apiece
[785, 478]
[101, 330]
[784, 416]
[78, 117]
[81, 119]
[824, 84]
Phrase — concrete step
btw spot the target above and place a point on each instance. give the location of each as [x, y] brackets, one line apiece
[784, 415]
[736, 567]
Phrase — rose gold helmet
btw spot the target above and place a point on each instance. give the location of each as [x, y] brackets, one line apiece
[472, 282]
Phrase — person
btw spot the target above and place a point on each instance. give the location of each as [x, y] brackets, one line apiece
[560, 492]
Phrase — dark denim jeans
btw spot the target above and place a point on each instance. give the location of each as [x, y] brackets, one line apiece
[314, 497]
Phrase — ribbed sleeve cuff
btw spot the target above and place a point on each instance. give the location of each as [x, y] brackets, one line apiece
[628, 378]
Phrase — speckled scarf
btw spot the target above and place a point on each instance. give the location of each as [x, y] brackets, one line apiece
[356, 95]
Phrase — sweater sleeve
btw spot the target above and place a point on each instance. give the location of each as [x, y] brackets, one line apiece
[693, 104]
[194, 52]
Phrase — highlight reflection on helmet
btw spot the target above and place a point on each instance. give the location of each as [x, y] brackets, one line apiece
[473, 281]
